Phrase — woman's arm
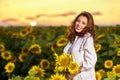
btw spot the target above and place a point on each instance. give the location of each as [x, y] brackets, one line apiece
[90, 57]
[66, 48]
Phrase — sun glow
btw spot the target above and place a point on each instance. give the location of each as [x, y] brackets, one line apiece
[33, 23]
[38, 11]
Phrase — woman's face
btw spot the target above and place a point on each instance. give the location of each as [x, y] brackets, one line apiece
[81, 23]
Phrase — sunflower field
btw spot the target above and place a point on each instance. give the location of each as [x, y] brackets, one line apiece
[29, 53]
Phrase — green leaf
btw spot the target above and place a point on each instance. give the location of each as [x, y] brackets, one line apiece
[28, 63]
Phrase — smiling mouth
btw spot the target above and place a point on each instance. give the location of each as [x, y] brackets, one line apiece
[78, 28]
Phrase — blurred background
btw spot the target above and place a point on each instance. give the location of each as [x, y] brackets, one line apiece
[57, 12]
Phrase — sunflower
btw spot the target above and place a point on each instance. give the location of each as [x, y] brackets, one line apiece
[32, 37]
[36, 48]
[56, 57]
[2, 47]
[102, 72]
[15, 35]
[53, 49]
[117, 41]
[13, 59]
[116, 69]
[73, 67]
[99, 37]
[25, 50]
[63, 62]
[61, 42]
[118, 53]
[40, 71]
[110, 74]
[9, 67]
[22, 57]
[23, 33]
[6, 55]
[98, 47]
[108, 64]
[45, 64]
[57, 77]
[98, 76]
[29, 29]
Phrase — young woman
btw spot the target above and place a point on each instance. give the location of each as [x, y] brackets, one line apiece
[81, 46]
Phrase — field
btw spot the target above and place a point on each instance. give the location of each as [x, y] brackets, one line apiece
[23, 48]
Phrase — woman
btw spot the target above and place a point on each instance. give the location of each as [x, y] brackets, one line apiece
[81, 46]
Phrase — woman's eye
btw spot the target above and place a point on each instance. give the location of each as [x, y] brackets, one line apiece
[83, 23]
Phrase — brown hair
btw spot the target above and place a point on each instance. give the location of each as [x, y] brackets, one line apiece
[88, 29]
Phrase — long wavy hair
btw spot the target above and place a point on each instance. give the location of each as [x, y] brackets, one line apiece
[88, 29]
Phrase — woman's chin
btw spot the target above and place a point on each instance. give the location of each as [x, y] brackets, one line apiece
[78, 31]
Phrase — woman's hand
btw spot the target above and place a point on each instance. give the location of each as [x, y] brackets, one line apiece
[71, 76]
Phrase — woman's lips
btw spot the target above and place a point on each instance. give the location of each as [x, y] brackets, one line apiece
[78, 27]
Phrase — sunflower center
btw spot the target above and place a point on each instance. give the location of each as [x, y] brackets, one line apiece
[10, 67]
[23, 32]
[62, 41]
[117, 70]
[35, 49]
[28, 29]
[13, 58]
[57, 79]
[118, 42]
[31, 37]
[23, 57]
[108, 63]
[1, 47]
[39, 73]
[14, 36]
[6, 55]
[25, 50]
[97, 47]
[45, 64]
[64, 62]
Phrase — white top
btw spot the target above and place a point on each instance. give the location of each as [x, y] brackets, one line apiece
[84, 54]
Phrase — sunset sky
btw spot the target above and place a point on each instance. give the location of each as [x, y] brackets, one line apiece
[57, 12]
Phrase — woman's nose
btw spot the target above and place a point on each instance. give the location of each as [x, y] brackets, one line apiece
[79, 23]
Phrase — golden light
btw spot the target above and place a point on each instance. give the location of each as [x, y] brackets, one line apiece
[33, 23]
[21, 13]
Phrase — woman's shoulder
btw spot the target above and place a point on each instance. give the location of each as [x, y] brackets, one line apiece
[87, 35]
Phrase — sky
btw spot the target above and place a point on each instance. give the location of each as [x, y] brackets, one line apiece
[57, 12]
